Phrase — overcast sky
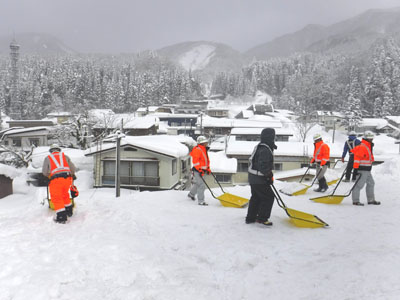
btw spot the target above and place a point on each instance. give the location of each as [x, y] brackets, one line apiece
[134, 25]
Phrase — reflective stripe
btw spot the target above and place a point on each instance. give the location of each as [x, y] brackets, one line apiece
[250, 169]
[61, 209]
[59, 165]
[366, 162]
[350, 144]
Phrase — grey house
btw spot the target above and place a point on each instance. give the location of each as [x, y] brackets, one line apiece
[147, 162]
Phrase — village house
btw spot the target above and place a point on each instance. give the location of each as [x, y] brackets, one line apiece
[29, 123]
[61, 117]
[147, 162]
[25, 138]
[218, 112]
[288, 156]
[144, 111]
[176, 124]
[192, 107]
[216, 127]
[253, 134]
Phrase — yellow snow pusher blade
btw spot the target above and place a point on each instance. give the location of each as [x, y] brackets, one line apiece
[298, 188]
[227, 199]
[299, 218]
[336, 199]
[230, 200]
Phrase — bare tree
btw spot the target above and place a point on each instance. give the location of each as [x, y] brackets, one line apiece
[303, 126]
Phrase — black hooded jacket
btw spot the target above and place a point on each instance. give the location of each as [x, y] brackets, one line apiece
[263, 160]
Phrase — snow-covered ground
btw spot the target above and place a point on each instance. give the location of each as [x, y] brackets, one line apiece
[160, 245]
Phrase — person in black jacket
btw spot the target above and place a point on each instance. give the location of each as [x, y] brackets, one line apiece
[261, 164]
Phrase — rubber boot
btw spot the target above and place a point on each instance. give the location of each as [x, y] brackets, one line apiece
[61, 217]
[324, 185]
[319, 186]
[69, 210]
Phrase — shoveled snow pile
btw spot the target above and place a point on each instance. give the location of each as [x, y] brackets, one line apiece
[161, 245]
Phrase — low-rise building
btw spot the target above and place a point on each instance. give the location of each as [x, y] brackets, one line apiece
[147, 162]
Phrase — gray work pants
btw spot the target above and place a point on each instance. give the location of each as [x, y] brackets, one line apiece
[321, 174]
[198, 187]
[366, 178]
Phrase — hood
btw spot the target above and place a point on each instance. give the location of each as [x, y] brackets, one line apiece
[268, 137]
[352, 137]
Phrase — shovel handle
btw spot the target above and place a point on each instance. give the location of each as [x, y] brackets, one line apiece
[304, 174]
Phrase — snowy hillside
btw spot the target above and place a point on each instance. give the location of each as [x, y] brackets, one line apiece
[206, 58]
[160, 245]
[197, 58]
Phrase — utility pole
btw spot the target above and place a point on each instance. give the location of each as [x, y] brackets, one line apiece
[334, 128]
[117, 167]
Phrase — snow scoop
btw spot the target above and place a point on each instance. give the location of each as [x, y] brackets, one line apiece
[227, 199]
[302, 189]
[336, 199]
[299, 218]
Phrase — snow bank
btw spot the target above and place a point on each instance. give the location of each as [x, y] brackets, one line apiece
[9, 171]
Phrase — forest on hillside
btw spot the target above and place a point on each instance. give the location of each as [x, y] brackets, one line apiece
[367, 84]
[77, 83]
[364, 85]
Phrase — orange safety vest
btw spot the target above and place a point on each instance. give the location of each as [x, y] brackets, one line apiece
[200, 159]
[363, 156]
[321, 153]
[58, 163]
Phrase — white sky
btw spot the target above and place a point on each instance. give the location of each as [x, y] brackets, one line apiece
[124, 25]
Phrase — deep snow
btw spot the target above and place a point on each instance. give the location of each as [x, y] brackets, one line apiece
[161, 245]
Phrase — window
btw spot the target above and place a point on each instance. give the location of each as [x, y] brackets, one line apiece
[278, 167]
[174, 166]
[243, 166]
[34, 141]
[224, 178]
[132, 173]
[16, 142]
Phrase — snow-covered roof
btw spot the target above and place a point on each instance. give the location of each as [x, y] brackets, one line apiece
[60, 114]
[395, 119]
[24, 130]
[128, 121]
[231, 123]
[329, 113]
[170, 145]
[220, 163]
[373, 122]
[9, 171]
[257, 131]
[284, 148]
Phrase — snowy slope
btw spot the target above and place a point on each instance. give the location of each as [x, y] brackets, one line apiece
[160, 245]
[197, 58]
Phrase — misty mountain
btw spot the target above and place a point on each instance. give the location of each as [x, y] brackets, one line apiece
[35, 43]
[206, 58]
[349, 36]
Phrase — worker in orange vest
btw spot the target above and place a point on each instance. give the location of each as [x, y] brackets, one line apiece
[321, 158]
[363, 159]
[61, 171]
[201, 166]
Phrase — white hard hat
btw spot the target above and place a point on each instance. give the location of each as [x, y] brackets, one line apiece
[369, 135]
[202, 139]
[317, 136]
[54, 147]
[352, 132]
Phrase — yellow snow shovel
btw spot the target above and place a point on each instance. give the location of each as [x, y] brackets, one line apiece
[336, 199]
[227, 199]
[299, 218]
[302, 190]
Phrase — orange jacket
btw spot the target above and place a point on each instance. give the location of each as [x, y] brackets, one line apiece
[321, 153]
[200, 159]
[363, 157]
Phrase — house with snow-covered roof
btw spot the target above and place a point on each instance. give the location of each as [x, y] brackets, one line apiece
[223, 126]
[288, 156]
[147, 162]
[254, 134]
[25, 138]
[131, 125]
